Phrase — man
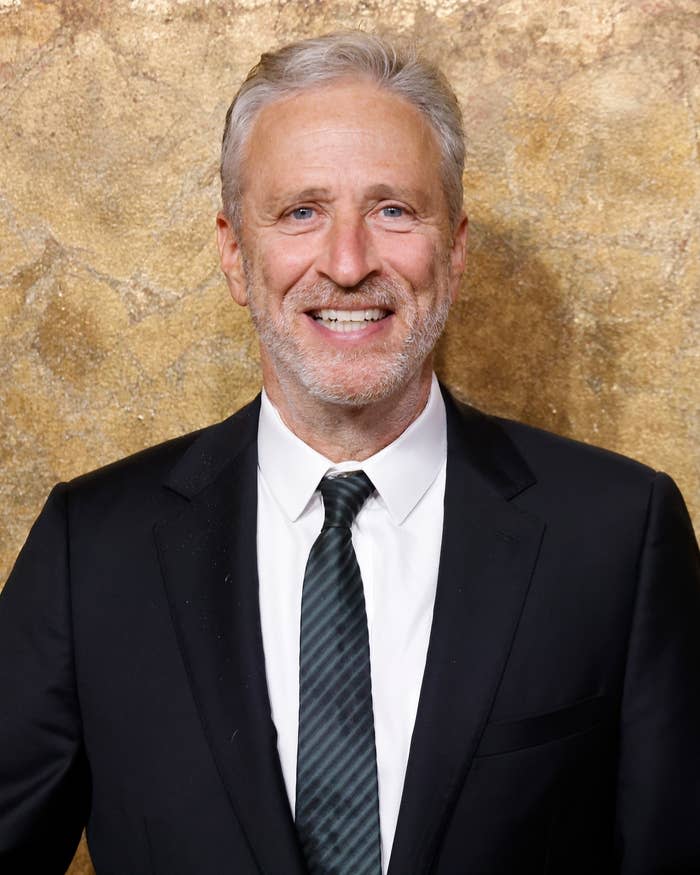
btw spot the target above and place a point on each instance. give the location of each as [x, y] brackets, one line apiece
[357, 627]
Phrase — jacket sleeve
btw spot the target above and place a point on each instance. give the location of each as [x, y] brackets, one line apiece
[44, 780]
[658, 813]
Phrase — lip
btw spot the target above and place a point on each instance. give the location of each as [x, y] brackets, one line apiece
[342, 338]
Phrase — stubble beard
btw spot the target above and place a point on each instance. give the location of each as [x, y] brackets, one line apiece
[347, 377]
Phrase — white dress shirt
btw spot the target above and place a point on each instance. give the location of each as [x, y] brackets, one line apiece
[396, 536]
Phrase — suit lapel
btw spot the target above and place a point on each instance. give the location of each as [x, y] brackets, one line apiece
[489, 549]
[208, 558]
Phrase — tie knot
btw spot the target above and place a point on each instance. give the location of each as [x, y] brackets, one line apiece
[343, 496]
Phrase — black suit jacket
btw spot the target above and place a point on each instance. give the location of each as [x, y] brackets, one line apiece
[558, 729]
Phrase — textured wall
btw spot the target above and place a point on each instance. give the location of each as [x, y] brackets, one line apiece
[580, 307]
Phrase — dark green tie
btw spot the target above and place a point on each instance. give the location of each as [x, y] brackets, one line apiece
[337, 803]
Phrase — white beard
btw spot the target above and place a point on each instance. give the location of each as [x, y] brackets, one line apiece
[352, 377]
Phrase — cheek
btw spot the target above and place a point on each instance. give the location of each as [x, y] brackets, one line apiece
[284, 261]
[413, 257]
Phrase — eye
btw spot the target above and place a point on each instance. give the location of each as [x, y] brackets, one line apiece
[302, 214]
[393, 212]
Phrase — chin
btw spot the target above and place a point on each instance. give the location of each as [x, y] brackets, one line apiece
[346, 396]
[358, 384]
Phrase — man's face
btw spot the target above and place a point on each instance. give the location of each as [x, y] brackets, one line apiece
[345, 256]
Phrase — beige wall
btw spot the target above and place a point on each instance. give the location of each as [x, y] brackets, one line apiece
[579, 311]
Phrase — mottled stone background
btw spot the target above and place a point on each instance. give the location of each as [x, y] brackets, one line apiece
[579, 311]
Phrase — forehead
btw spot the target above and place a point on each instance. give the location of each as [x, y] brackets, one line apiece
[342, 133]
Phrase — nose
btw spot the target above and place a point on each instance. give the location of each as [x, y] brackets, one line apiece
[348, 255]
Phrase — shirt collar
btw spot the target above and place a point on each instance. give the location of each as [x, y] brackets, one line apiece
[401, 472]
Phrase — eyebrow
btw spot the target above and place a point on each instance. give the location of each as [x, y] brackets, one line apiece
[380, 191]
[306, 194]
[383, 191]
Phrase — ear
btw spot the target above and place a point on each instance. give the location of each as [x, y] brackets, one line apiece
[458, 256]
[231, 259]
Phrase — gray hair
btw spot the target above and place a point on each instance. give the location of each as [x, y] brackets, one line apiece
[312, 63]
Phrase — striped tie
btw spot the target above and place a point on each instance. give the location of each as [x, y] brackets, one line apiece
[337, 803]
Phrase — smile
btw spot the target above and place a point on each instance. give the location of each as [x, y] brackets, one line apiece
[348, 320]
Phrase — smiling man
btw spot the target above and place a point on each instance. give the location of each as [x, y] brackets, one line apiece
[349, 273]
[357, 627]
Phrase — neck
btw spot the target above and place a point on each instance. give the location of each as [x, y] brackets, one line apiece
[343, 431]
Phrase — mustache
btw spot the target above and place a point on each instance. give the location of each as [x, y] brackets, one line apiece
[326, 295]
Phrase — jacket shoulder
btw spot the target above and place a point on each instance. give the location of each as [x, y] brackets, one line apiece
[186, 462]
[550, 452]
[521, 458]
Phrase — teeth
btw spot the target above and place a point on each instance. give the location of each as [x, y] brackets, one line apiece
[343, 319]
[342, 326]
